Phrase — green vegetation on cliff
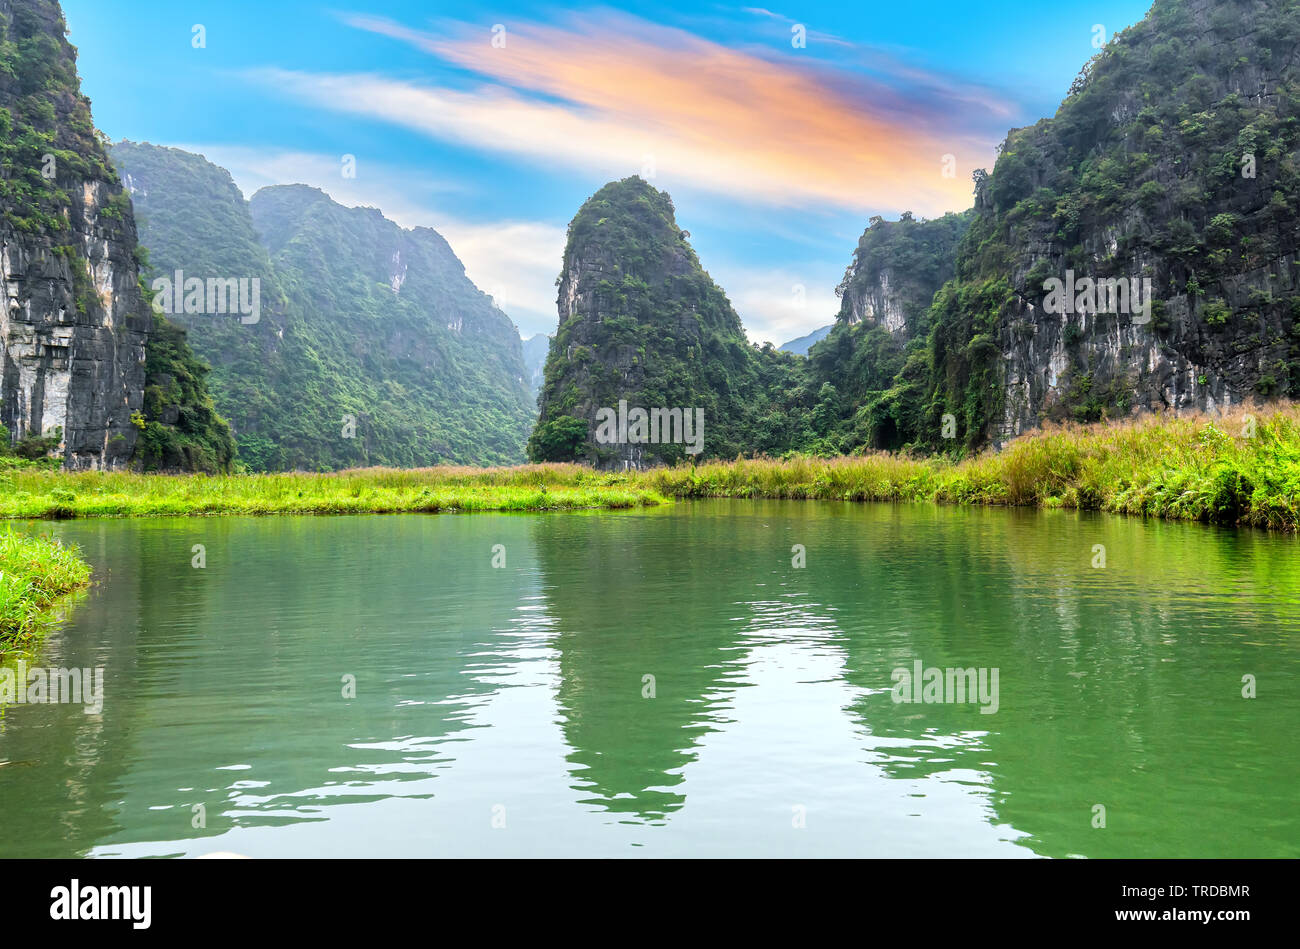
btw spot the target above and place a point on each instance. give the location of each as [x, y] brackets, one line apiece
[1175, 159]
[28, 452]
[1173, 166]
[868, 380]
[396, 335]
[44, 114]
[180, 429]
[641, 322]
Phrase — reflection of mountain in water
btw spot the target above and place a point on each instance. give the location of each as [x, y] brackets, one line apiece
[1118, 686]
[635, 596]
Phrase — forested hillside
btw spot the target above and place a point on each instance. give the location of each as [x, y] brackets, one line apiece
[1173, 160]
[371, 347]
[870, 376]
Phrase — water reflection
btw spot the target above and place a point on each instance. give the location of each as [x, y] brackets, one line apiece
[667, 683]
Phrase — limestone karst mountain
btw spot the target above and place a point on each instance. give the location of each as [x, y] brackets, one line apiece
[1136, 251]
[1169, 171]
[642, 323]
[372, 346]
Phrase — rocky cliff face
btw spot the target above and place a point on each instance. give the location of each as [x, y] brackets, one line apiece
[1140, 250]
[74, 323]
[897, 268]
[862, 377]
[1171, 166]
[1136, 251]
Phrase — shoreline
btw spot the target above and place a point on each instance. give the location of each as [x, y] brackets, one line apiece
[1240, 469]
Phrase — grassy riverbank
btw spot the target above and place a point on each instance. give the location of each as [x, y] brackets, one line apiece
[1240, 469]
[36, 493]
[34, 574]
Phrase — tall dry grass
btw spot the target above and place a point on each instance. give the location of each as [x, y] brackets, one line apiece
[1240, 467]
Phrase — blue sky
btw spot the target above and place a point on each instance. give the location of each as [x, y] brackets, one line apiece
[775, 153]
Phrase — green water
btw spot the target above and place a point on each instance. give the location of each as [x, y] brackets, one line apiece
[503, 711]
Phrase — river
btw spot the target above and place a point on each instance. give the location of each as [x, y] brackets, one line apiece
[707, 679]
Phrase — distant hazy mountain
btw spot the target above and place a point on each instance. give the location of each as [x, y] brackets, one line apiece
[801, 345]
[372, 346]
[535, 350]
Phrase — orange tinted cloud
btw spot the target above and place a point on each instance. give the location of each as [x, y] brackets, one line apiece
[614, 94]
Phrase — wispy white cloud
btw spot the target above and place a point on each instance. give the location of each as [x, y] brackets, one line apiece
[516, 262]
[778, 305]
[613, 92]
[814, 36]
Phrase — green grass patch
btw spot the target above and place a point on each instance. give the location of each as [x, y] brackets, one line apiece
[35, 493]
[35, 573]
